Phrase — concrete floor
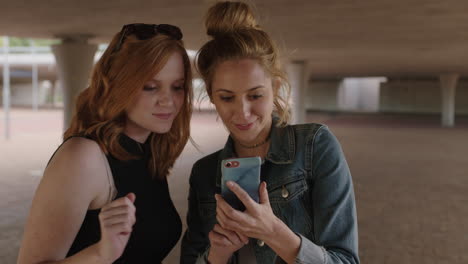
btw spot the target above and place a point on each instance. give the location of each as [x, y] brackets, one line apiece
[410, 176]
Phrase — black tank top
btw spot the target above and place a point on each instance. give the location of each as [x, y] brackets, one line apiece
[158, 226]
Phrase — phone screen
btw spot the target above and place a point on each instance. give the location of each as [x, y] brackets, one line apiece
[246, 173]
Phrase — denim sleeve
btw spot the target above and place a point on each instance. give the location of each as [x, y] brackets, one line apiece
[334, 207]
[195, 242]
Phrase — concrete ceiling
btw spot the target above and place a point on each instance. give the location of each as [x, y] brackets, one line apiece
[337, 38]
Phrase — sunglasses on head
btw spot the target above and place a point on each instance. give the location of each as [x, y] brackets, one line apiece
[146, 31]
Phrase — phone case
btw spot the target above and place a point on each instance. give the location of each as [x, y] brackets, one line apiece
[246, 173]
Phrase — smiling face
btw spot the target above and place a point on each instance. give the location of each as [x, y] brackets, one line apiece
[158, 102]
[242, 93]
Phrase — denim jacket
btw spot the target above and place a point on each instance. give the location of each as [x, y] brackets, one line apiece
[310, 189]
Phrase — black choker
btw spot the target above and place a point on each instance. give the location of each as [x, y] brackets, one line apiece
[255, 145]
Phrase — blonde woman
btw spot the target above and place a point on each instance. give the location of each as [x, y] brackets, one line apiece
[306, 212]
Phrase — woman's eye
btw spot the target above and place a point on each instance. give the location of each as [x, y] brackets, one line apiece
[149, 88]
[227, 98]
[256, 96]
[178, 88]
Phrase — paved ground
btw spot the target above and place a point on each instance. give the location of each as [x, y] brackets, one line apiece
[410, 176]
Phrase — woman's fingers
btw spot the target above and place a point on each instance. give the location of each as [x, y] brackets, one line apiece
[121, 202]
[226, 222]
[121, 218]
[219, 239]
[243, 196]
[116, 220]
[131, 197]
[231, 219]
[116, 211]
[228, 211]
[232, 236]
[257, 221]
[263, 193]
[122, 227]
[243, 238]
[220, 216]
[119, 213]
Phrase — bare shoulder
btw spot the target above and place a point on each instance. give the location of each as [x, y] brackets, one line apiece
[79, 148]
[78, 153]
[74, 179]
[78, 163]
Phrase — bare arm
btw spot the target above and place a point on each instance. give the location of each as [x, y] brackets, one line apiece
[74, 180]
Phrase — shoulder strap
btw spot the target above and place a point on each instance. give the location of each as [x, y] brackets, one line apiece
[110, 179]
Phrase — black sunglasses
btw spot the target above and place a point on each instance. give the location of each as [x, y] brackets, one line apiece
[146, 31]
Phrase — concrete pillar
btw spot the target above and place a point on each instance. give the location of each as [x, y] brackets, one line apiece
[6, 87]
[75, 58]
[298, 78]
[448, 85]
[53, 89]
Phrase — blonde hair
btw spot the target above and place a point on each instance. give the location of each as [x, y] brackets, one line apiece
[116, 81]
[236, 35]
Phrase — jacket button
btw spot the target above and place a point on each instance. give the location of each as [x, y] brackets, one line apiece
[284, 192]
[260, 243]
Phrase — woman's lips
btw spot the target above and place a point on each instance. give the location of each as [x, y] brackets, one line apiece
[163, 116]
[244, 127]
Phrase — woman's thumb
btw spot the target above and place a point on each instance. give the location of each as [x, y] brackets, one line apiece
[131, 196]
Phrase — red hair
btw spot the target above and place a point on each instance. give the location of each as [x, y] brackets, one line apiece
[116, 80]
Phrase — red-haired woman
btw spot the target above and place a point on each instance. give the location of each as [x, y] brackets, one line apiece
[104, 196]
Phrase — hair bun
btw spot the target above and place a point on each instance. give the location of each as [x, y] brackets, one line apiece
[227, 17]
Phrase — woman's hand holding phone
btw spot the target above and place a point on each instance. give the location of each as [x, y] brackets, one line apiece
[235, 224]
[116, 221]
[224, 243]
[257, 221]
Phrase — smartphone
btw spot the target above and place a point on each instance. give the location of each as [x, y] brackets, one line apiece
[246, 173]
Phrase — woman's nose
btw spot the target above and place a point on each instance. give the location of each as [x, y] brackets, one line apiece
[165, 98]
[243, 109]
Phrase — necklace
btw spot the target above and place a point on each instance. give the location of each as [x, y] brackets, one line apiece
[254, 145]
